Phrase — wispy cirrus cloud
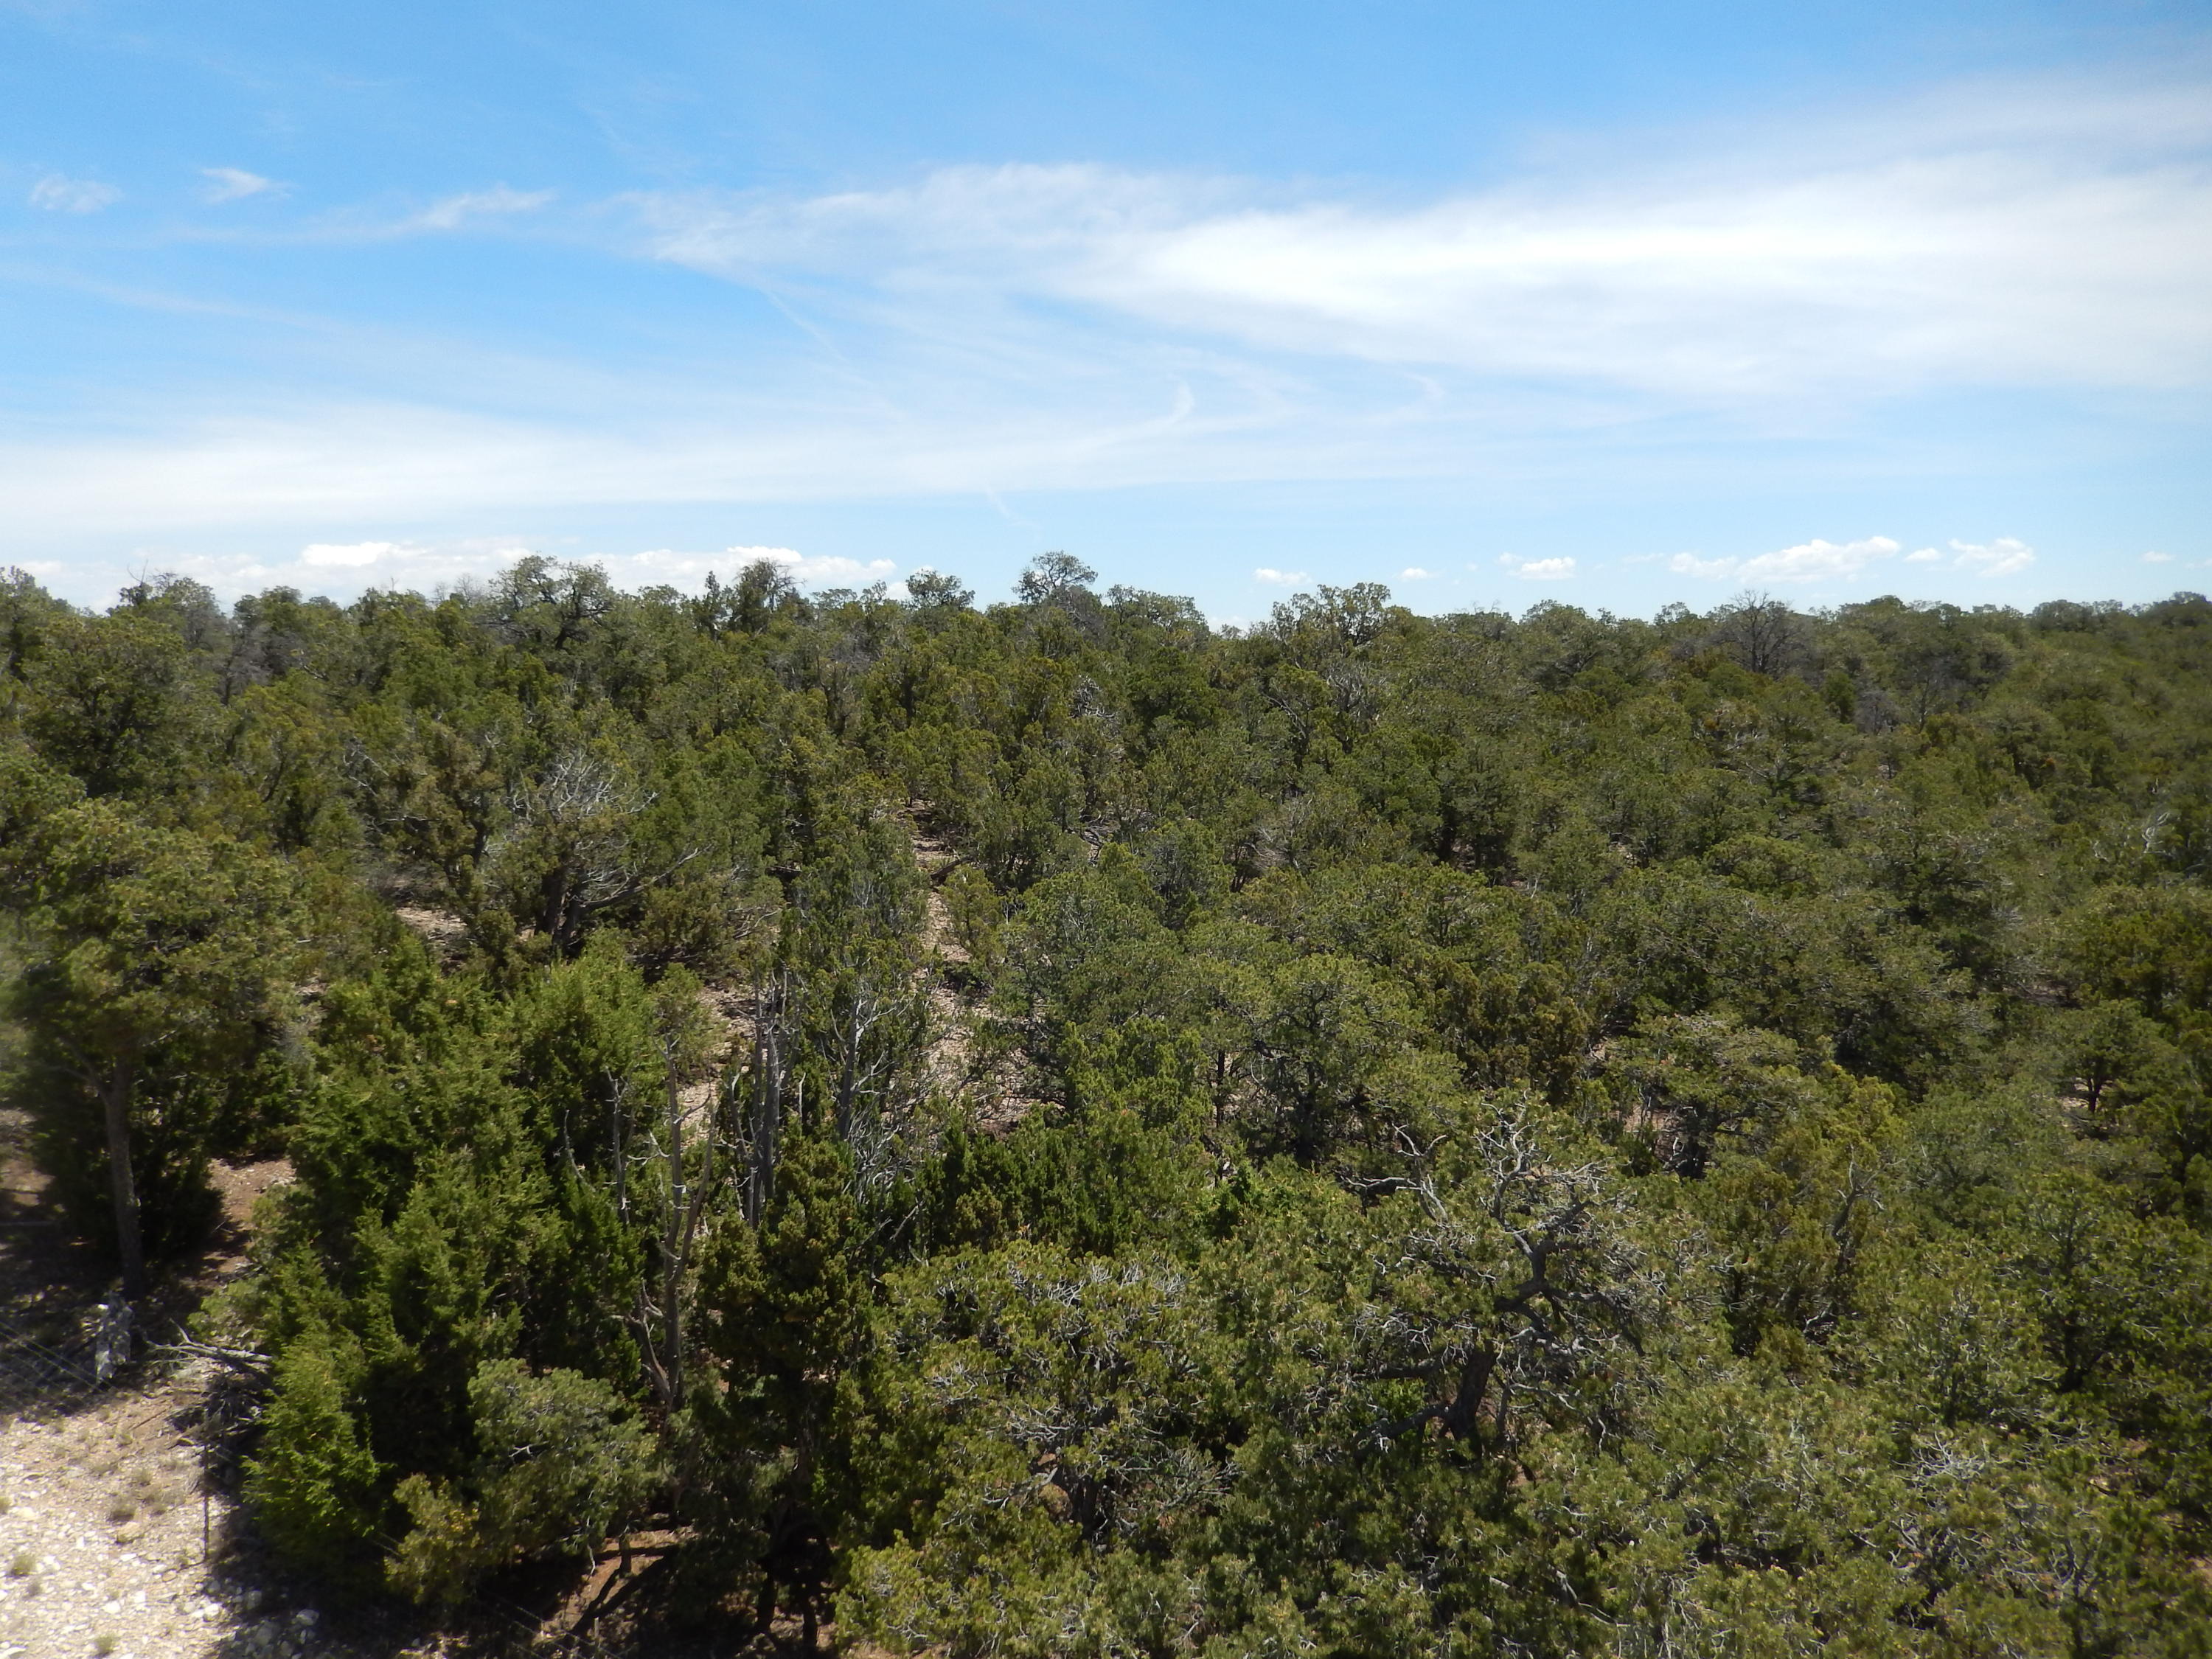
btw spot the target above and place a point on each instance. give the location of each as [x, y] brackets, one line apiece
[59, 193]
[451, 212]
[381, 221]
[235, 185]
[416, 461]
[378, 221]
[1978, 248]
[1040, 328]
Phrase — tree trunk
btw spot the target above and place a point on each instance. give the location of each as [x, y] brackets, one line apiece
[674, 1239]
[618, 1102]
[767, 1111]
[1462, 1417]
[115, 1097]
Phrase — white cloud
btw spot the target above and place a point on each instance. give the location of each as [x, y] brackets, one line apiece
[2002, 558]
[235, 185]
[415, 462]
[690, 569]
[2158, 558]
[376, 222]
[1008, 330]
[347, 556]
[349, 567]
[342, 568]
[1412, 573]
[1816, 561]
[1537, 570]
[1967, 244]
[1278, 578]
[58, 194]
[1808, 562]
[453, 210]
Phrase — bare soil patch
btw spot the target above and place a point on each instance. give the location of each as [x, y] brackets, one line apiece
[116, 1538]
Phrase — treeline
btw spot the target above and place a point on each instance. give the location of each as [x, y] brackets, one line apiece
[1051, 1128]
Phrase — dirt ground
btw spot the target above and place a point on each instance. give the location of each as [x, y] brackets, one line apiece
[119, 1537]
[112, 1540]
[102, 1542]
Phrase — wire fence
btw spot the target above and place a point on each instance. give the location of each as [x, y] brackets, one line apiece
[35, 1371]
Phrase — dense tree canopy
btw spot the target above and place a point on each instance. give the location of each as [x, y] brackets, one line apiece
[1053, 1128]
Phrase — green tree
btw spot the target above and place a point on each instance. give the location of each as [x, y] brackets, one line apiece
[154, 955]
[562, 1462]
[786, 1319]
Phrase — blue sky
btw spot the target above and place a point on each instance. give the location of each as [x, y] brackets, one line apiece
[1613, 305]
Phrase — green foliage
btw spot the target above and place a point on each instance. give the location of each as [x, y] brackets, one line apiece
[110, 700]
[560, 1463]
[315, 1486]
[1050, 1128]
[151, 997]
[787, 1320]
[1098, 1186]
